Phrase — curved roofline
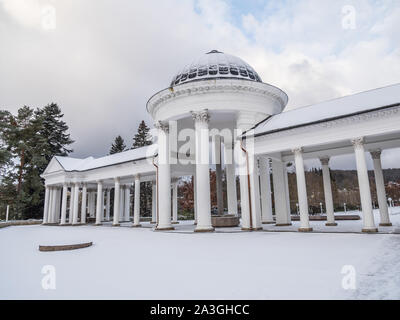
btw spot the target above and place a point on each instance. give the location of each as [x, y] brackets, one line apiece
[219, 78]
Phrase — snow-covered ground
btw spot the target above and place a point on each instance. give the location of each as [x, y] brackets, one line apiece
[136, 263]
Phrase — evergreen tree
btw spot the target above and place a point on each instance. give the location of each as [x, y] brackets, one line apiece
[32, 139]
[5, 155]
[142, 137]
[118, 145]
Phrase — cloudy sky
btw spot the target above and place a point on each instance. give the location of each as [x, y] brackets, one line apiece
[101, 60]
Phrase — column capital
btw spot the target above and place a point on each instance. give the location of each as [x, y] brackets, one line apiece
[162, 126]
[357, 142]
[324, 160]
[298, 150]
[376, 154]
[201, 116]
[99, 181]
[137, 177]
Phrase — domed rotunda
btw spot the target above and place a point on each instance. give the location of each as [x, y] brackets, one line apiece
[216, 97]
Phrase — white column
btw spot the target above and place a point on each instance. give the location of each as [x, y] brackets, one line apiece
[71, 204]
[255, 192]
[136, 204]
[58, 206]
[108, 201]
[76, 204]
[363, 184]
[116, 202]
[217, 160]
[203, 200]
[53, 205]
[240, 159]
[164, 178]
[99, 207]
[230, 179]
[122, 204]
[83, 204]
[46, 204]
[194, 199]
[153, 202]
[380, 189]
[265, 190]
[175, 202]
[127, 202]
[281, 205]
[326, 176]
[64, 204]
[301, 190]
[91, 204]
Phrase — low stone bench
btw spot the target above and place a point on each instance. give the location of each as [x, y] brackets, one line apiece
[323, 218]
[65, 247]
[20, 223]
[224, 221]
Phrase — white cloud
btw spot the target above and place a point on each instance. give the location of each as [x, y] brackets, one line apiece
[106, 58]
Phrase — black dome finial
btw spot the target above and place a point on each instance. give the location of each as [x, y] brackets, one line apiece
[214, 51]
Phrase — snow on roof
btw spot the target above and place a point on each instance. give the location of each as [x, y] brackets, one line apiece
[214, 65]
[323, 111]
[74, 164]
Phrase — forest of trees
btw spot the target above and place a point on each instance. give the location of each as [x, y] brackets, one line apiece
[28, 141]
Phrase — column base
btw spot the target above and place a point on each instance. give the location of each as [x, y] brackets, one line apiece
[76, 224]
[211, 229]
[305, 229]
[136, 225]
[370, 230]
[65, 224]
[163, 228]
[269, 222]
[283, 224]
[115, 224]
[175, 222]
[97, 224]
[331, 224]
[246, 229]
[153, 222]
[389, 224]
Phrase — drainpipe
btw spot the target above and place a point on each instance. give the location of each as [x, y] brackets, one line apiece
[157, 214]
[248, 182]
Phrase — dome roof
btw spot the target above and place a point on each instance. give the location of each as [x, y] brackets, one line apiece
[216, 65]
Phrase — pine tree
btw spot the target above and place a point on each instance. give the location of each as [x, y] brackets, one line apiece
[32, 138]
[118, 145]
[142, 137]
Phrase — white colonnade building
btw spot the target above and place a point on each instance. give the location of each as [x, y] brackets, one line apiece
[218, 113]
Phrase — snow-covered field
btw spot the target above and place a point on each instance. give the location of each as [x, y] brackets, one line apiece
[136, 263]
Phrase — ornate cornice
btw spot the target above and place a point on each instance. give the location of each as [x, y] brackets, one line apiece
[217, 86]
[201, 116]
